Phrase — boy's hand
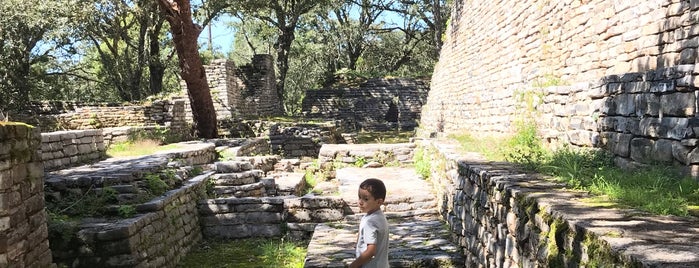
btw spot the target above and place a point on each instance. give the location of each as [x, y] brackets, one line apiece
[365, 257]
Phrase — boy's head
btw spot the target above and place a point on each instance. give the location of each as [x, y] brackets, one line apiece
[375, 187]
[372, 193]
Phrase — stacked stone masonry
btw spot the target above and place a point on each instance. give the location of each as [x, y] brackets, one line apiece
[23, 230]
[232, 218]
[504, 218]
[613, 74]
[55, 116]
[63, 149]
[378, 104]
[298, 140]
[246, 91]
[159, 236]
[351, 153]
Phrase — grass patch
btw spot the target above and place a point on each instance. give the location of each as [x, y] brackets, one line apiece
[365, 137]
[247, 253]
[488, 147]
[137, 148]
[423, 166]
[659, 190]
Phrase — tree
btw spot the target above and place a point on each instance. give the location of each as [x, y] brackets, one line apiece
[184, 34]
[283, 15]
[355, 33]
[29, 32]
[124, 37]
[432, 16]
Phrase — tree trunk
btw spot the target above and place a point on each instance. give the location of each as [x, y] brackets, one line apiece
[184, 34]
[283, 46]
[155, 64]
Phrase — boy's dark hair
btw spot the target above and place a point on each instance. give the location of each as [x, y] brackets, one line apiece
[375, 187]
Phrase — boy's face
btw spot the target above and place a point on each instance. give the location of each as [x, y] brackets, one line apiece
[367, 203]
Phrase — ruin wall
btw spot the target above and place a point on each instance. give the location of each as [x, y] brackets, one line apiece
[502, 217]
[618, 75]
[23, 231]
[378, 104]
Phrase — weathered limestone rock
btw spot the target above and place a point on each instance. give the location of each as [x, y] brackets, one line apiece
[23, 219]
[572, 78]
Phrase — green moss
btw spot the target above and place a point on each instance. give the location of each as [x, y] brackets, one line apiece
[555, 239]
[599, 253]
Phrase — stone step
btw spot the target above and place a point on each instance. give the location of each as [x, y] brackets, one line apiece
[232, 166]
[266, 163]
[248, 190]
[240, 178]
[405, 191]
[289, 183]
[413, 242]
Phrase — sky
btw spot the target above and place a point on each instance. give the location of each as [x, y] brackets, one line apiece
[221, 34]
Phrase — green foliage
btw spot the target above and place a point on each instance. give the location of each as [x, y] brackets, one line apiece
[364, 137]
[155, 184]
[83, 203]
[31, 36]
[488, 147]
[359, 161]
[247, 253]
[137, 148]
[385, 158]
[423, 165]
[525, 147]
[126, 211]
[548, 80]
[196, 171]
[656, 189]
[164, 135]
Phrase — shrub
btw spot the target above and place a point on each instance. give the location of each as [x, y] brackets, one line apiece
[423, 167]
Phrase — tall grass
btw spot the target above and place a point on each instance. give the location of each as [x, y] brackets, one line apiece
[655, 189]
[137, 148]
[247, 253]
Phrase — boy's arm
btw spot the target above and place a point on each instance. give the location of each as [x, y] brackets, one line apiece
[365, 256]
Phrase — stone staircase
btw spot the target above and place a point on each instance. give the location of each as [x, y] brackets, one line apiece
[418, 238]
[238, 179]
[256, 177]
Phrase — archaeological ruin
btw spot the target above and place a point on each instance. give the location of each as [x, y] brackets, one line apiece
[613, 75]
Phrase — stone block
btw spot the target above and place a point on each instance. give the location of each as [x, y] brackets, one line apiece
[678, 104]
[680, 152]
[647, 104]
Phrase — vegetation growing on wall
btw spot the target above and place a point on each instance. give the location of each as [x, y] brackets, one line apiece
[423, 165]
[656, 189]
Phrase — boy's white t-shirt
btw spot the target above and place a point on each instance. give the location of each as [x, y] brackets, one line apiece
[373, 229]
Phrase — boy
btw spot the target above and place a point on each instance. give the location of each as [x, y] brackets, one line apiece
[372, 240]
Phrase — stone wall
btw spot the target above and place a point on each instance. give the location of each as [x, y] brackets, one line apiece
[378, 104]
[232, 218]
[612, 74]
[351, 153]
[23, 230]
[297, 140]
[54, 116]
[245, 91]
[63, 149]
[504, 218]
[161, 234]
[257, 95]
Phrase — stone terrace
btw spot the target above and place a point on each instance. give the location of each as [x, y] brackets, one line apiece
[418, 238]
